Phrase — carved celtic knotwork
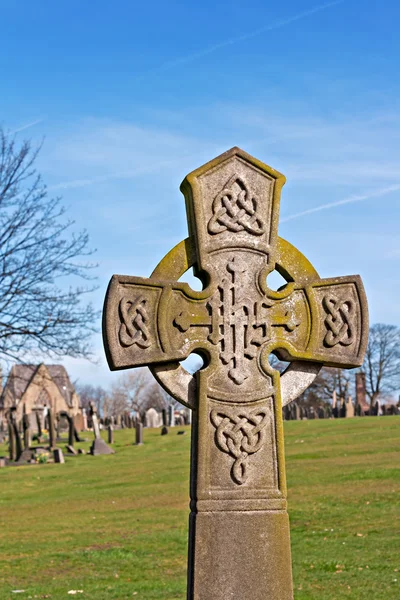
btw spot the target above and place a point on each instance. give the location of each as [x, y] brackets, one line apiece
[235, 209]
[240, 435]
[133, 329]
[239, 324]
[339, 321]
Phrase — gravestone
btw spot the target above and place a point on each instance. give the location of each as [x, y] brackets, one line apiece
[39, 421]
[342, 408]
[58, 456]
[239, 528]
[98, 446]
[27, 432]
[349, 408]
[16, 442]
[12, 447]
[139, 433]
[362, 406]
[72, 433]
[110, 431]
[84, 420]
[171, 416]
[52, 430]
[153, 418]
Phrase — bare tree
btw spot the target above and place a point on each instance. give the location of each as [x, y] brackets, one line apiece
[38, 313]
[328, 380]
[130, 391]
[90, 393]
[382, 361]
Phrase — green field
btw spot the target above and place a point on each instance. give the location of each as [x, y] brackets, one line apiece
[116, 526]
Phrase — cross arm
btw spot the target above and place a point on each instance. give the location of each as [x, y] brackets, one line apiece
[337, 323]
[147, 321]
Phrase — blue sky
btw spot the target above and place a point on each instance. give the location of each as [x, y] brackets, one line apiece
[131, 96]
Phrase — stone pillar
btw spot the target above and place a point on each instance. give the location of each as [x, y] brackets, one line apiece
[361, 394]
[84, 420]
[349, 407]
[52, 430]
[164, 417]
[110, 430]
[12, 448]
[27, 432]
[239, 539]
[139, 434]
[171, 409]
[17, 439]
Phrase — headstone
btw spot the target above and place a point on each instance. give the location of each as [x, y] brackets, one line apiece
[153, 418]
[52, 430]
[58, 455]
[27, 432]
[171, 410]
[12, 447]
[71, 431]
[71, 450]
[342, 408]
[239, 528]
[17, 439]
[335, 408]
[110, 431]
[164, 430]
[181, 432]
[349, 408]
[361, 395]
[81, 451]
[139, 433]
[39, 421]
[3, 462]
[84, 420]
[98, 446]
[164, 417]
[25, 457]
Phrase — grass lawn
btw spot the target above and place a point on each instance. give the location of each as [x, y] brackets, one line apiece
[116, 526]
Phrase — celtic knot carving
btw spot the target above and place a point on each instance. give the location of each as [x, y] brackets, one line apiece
[235, 209]
[240, 435]
[133, 329]
[339, 321]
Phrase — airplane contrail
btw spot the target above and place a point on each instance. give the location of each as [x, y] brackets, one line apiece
[349, 200]
[246, 36]
[23, 127]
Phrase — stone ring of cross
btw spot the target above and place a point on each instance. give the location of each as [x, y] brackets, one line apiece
[238, 483]
[174, 378]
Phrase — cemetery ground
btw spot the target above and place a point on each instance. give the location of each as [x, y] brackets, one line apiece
[115, 527]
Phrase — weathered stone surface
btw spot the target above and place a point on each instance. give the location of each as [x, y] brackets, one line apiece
[239, 531]
[139, 433]
[153, 418]
[99, 446]
[58, 455]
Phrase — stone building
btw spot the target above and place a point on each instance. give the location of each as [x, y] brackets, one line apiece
[33, 389]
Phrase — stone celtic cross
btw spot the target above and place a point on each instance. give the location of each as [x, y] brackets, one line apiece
[239, 546]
